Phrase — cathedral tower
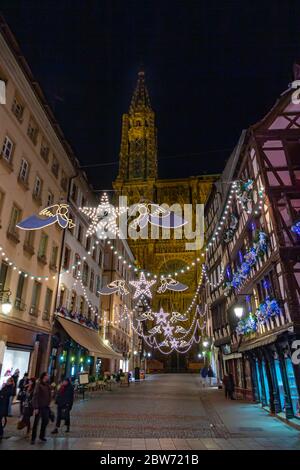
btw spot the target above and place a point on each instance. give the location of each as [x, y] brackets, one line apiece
[138, 154]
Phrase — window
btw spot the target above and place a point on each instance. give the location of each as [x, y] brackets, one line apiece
[35, 300]
[8, 149]
[19, 304]
[29, 241]
[44, 150]
[55, 166]
[66, 258]
[77, 263]
[73, 301]
[98, 285]
[15, 217]
[37, 189]
[79, 233]
[32, 130]
[92, 279]
[53, 260]
[64, 181]
[48, 302]
[24, 170]
[81, 305]
[88, 244]
[74, 192]
[50, 199]
[2, 196]
[100, 257]
[85, 274]
[43, 246]
[3, 274]
[17, 108]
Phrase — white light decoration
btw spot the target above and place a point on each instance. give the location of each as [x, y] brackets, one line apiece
[238, 311]
[118, 286]
[169, 283]
[103, 218]
[142, 287]
[6, 307]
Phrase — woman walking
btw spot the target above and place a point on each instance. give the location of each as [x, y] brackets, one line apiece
[27, 404]
[6, 393]
[64, 401]
[41, 405]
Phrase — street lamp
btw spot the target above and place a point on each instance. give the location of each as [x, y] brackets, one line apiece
[149, 354]
[238, 311]
[205, 343]
[6, 304]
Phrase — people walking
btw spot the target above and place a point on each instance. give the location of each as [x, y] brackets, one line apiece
[64, 401]
[22, 391]
[5, 395]
[27, 404]
[41, 406]
[204, 376]
[15, 378]
[210, 375]
[231, 386]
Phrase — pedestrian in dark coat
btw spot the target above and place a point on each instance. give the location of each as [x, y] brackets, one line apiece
[6, 393]
[41, 405]
[64, 401]
[27, 403]
[22, 391]
[231, 386]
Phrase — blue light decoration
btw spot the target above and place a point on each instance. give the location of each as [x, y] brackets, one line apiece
[296, 228]
[251, 257]
[58, 213]
[267, 309]
[240, 256]
[228, 272]
[247, 325]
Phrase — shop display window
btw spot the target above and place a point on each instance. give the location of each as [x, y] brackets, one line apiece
[293, 387]
[14, 359]
[266, 383]
[280, 384]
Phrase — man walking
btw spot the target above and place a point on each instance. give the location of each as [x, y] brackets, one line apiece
[41, 405]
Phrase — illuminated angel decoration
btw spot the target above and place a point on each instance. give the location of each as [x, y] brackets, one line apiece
[180, 329]
[168, 283]
[176, 316]
[118, 286]
[155, 215]
[145, 316]
[156, 329]
[48, 216]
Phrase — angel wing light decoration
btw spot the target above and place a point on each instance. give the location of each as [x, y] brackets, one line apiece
[118, 286]
[155, 215]
[169, 283]
[48, 216]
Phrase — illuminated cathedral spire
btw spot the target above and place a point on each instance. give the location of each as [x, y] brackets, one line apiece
[138, 153]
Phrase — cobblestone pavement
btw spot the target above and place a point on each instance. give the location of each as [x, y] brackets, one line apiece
[168, 411]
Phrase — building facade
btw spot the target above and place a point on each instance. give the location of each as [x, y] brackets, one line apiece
[252, 275]
[36, 164]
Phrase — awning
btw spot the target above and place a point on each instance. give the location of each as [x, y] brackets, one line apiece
[258, 343]
[88, 339]
[226, 357]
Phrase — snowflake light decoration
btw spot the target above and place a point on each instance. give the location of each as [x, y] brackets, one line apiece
[142, 287]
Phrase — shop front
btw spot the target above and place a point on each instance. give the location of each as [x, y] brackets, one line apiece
[275, 379]
[22, 348]
[77, 348]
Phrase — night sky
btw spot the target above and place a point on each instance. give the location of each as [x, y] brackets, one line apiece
[212, 68]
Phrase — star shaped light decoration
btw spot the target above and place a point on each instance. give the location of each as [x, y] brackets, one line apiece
[168, 330]
[103, 218]
[161, 316]
[142, 287]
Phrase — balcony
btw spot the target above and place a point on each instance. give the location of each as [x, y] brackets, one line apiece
[28, 248]
[34, 311]
[13, 234]
[20, 305]
[42, 258]
[46, 315]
